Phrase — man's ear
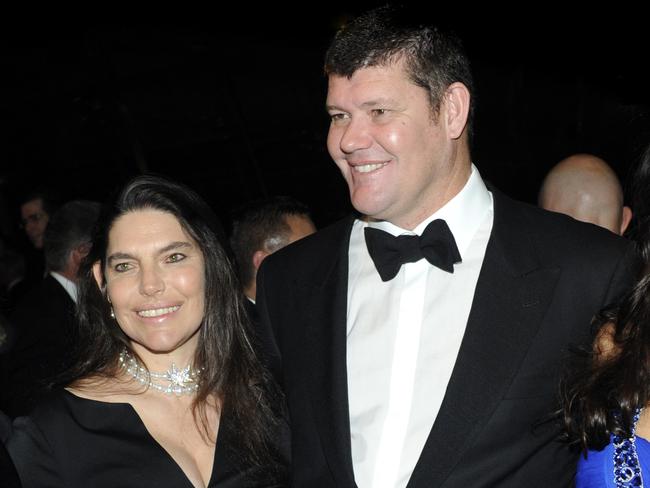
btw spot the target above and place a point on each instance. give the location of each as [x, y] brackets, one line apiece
[455, 108]
[84, 249]
[79, 253]
[258, 257]
[625, 221]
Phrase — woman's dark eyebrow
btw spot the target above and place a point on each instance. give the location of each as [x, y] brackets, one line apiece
[169, 247]
[117, 256]
[175, 245]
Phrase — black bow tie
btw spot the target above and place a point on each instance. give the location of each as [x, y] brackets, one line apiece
[436, 244]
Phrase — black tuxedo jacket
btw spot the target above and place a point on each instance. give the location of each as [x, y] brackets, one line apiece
[543, 277]
[44, 324]
[8, 475]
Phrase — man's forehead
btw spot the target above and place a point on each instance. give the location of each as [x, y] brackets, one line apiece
[32, 205]
[372, 85]
[371, 72]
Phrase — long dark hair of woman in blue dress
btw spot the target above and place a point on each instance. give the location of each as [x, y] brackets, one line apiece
[609, 384]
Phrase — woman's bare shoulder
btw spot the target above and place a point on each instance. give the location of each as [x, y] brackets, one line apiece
[105, 389]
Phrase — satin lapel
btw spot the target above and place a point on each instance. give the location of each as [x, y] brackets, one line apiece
[511, 298]
[325, 346]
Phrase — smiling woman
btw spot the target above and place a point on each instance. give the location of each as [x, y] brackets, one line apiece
[154, 277]
[167, 390]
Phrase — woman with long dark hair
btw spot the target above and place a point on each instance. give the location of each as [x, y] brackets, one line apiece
[605, 400]
[167, 391]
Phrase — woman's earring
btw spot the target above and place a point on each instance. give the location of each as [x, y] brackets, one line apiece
[112, 313]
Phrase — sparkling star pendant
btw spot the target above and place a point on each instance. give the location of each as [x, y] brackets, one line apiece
[178, 377]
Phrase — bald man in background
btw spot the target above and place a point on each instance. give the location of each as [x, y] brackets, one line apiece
[586, 188]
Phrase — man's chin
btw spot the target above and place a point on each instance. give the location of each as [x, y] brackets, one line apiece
[370, 208]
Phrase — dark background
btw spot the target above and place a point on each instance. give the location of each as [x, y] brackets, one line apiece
[232, 102]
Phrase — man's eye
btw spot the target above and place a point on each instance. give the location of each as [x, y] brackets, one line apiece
[338, 117]
[176, 257]
[379, 111]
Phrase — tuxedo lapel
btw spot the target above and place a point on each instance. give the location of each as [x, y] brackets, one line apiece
[511, 297]
[325, 349]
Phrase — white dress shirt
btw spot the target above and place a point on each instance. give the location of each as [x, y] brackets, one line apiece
[403, 338]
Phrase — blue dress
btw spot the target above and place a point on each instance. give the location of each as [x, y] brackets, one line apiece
[621, 464]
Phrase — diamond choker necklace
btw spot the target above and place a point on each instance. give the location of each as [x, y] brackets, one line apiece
[177, 381]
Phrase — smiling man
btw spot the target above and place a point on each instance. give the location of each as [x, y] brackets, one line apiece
[420, 341]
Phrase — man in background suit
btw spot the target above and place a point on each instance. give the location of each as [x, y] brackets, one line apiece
[403, 373]
[262, 227]
[586, 188]
[44, 321]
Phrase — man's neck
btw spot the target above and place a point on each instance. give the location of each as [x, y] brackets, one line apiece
[69, 285]
[444, 192]
[68, 274]
[250, 292]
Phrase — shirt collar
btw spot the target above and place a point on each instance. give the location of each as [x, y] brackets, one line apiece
[69, 286]
[463, 213]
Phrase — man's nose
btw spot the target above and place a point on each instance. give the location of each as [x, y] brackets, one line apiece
[356, 136]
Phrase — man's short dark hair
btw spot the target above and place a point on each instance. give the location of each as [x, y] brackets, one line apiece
[261, 224]
[71, 226]
[434, 58]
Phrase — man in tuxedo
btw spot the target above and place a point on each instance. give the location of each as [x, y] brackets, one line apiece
[420, 342]
[586, 188]
[260, 228]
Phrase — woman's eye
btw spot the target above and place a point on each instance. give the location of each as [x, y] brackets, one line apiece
[176, 257]
[122, 267]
